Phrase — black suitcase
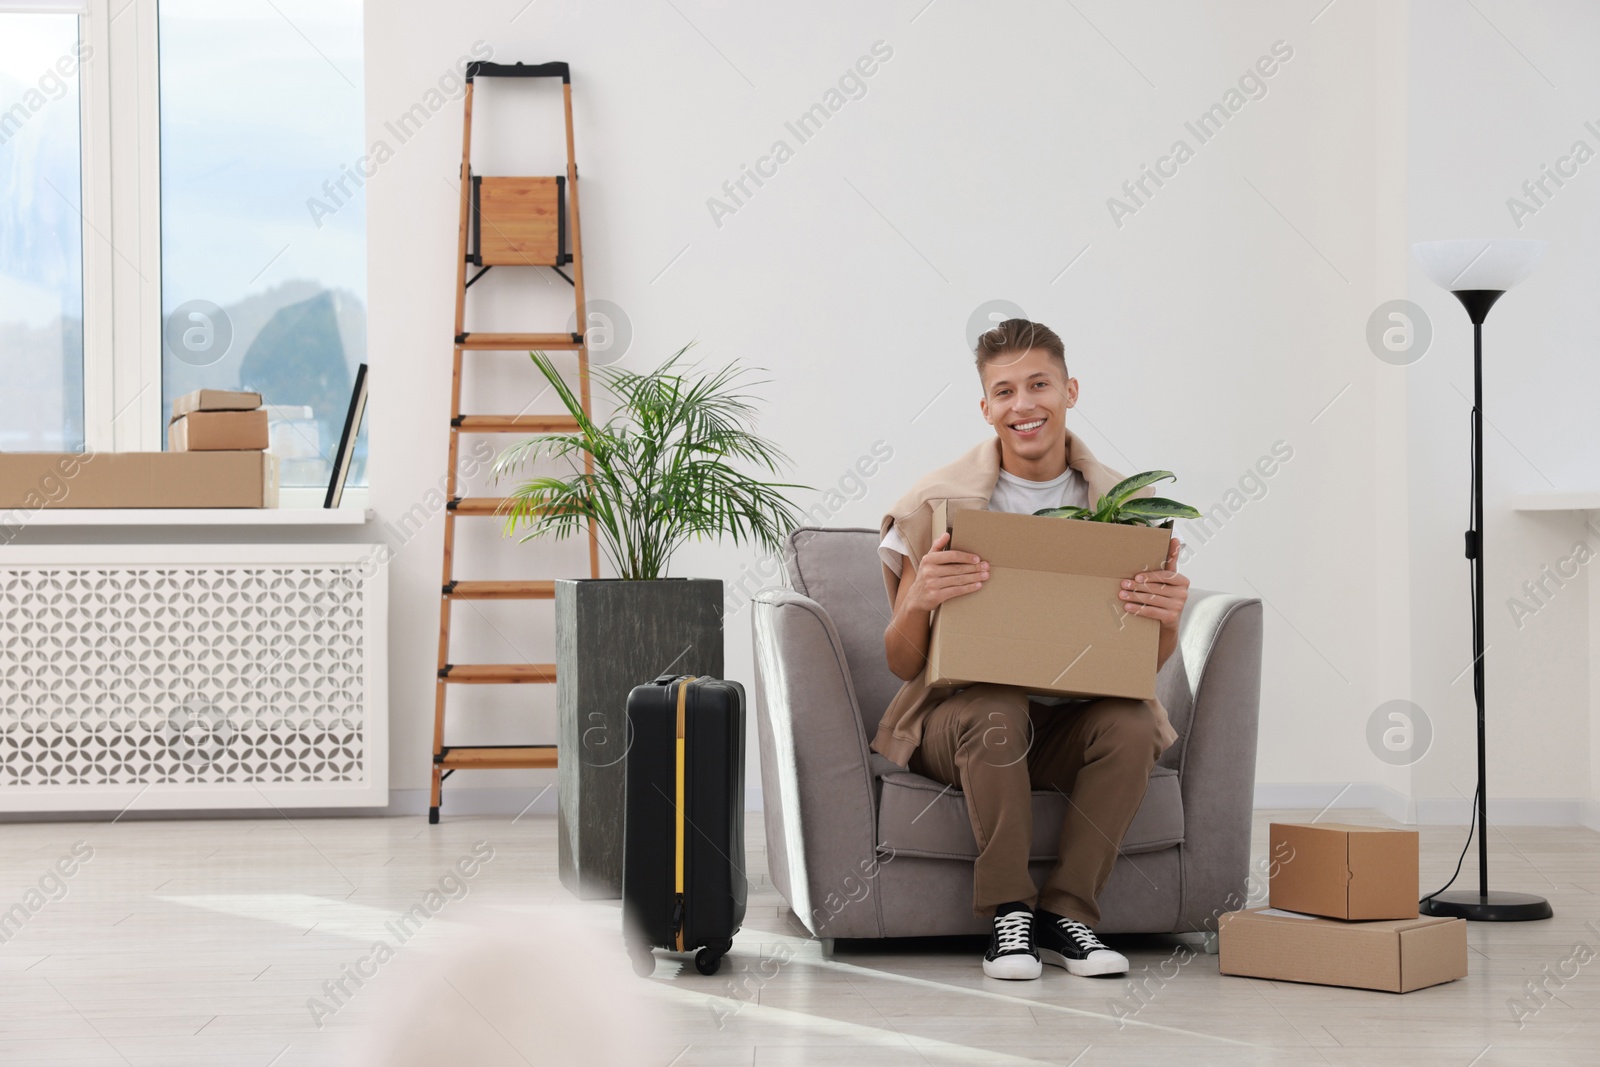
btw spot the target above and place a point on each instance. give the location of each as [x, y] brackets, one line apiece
[683, 873]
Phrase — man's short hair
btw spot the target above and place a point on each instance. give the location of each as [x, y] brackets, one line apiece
[1019, 335]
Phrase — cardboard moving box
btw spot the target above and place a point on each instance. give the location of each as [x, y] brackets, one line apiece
[1050, 617]
[1396, 955]
[33, 480]
[1344, 871]
[215, 400]
[215, 431]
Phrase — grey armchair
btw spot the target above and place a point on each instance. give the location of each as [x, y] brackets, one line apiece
[863, 848]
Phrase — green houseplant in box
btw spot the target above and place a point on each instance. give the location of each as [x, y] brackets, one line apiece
[670, 465]
[1119, 505]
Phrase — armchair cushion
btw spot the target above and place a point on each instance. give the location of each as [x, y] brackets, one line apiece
[919, 817]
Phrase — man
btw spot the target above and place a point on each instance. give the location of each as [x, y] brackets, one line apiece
[993, 742]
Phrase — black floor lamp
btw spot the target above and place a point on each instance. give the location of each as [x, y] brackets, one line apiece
[1479, 272]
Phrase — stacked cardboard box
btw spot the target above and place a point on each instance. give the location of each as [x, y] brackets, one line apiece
[216, 458]
[218, 420]
[1343, 911]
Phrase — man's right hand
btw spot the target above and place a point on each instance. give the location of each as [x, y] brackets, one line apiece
[943, 574]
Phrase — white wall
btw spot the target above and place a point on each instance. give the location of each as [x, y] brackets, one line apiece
[1226, 315]
[1491, 101]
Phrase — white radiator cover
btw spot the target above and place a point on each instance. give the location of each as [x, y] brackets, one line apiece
[161, 677]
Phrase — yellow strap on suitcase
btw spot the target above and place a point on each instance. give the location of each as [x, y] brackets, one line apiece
[683, 695]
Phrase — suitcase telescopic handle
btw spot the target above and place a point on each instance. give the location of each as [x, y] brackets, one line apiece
[519, 70]
[665, 679]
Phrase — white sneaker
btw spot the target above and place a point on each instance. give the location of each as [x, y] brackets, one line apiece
[1070, 944]
[1011, 955]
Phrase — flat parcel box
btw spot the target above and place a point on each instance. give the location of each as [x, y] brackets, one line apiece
[215, 400]
[1344, 871]
[1050, 617]
[1395, 955]
[33, 480]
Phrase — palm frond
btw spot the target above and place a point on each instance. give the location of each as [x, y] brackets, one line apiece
[667, 466]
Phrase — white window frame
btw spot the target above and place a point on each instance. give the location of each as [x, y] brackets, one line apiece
[120, 123]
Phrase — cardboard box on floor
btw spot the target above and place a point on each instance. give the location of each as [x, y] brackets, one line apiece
[219, 431]
[1344, 871]
[1396, 955]
[1049, 617]
[33, 480]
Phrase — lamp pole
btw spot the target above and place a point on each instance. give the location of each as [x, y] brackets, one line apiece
[1475, 554]
[1500, 905]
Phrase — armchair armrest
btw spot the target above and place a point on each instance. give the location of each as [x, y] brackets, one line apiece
[818, 797]
[1213, 691]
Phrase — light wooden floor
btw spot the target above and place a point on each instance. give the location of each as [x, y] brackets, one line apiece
[204, 942]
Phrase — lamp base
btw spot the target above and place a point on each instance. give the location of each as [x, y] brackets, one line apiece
[1497, 906]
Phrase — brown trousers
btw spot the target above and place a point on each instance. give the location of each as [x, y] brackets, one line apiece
[997, 747]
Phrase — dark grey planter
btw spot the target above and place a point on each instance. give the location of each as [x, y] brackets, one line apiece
[612, 635]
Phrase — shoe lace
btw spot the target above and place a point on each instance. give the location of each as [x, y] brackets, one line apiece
[1012, 930]
[1080, 933]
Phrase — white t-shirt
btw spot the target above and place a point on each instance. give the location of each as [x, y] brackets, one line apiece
[1018, 496]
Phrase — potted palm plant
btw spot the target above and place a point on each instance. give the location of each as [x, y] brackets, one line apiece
[671, 464]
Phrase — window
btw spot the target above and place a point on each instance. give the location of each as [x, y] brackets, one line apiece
[41, 234]
[181, 206]
[263, 269]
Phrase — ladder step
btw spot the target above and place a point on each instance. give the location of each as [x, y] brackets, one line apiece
[480, 505]
[475, 340]
[498, 673]
[515, 423]
[500, 757]
[528, 590]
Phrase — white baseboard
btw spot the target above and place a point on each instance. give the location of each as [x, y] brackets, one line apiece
[480, 800]
[1426, 811]
[1333, 796]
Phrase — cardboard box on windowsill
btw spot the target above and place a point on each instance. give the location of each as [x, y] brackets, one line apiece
[215, 400]
[1395, 955]
[1050, 617]
[219, 431]
[34, 480]
[1344, 871]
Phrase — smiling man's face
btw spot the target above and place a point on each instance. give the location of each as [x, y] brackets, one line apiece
[1026, 395]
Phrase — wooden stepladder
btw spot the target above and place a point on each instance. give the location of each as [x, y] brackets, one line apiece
[505, 222]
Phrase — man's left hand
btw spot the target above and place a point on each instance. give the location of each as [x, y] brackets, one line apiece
[1158, 595]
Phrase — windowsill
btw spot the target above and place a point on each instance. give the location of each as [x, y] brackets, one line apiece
[345, 516]
[301, 496]
[1581, 500]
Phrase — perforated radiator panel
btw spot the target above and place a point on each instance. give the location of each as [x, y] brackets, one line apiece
[238, 679]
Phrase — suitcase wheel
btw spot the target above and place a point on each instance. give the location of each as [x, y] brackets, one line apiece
[707, 962]
[644, 961]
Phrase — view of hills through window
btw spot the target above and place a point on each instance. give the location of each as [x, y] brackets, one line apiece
[41, 235]
[261, 105]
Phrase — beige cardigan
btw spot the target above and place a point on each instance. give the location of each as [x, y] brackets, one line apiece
[967, 483]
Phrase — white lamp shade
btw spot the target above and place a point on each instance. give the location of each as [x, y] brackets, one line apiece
[1478, 263]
